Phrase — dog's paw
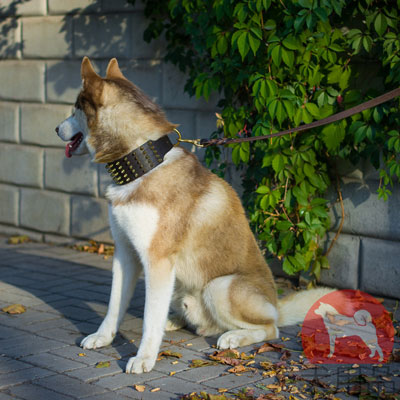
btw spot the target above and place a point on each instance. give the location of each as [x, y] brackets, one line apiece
[138, 365]
[229, 340]
[174, 323]
[96, 340]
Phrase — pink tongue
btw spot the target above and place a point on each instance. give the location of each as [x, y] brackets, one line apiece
[68, 150]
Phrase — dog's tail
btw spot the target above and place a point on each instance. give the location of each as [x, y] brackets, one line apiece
[293, 308]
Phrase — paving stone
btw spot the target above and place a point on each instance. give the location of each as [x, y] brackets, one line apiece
[4, 396]
[9, 128]
[22, 80]
[72, 352]
[53, 362]
[21, 376]
[175, 385]
[58, 28]
[202, 374]
[121, 380]
[33, 392]
[69, 386]
[131, 393]
[108, 396]
[230, 381]
[89, 374]
[9, 365]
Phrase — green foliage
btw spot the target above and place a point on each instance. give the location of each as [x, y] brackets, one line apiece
[278, 64]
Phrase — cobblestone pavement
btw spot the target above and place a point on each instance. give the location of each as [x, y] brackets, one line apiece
[66, 294]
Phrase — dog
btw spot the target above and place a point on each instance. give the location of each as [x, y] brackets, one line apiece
[341, 326]
[180, 224]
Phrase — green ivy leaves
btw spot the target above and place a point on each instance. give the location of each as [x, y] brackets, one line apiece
[277, 65]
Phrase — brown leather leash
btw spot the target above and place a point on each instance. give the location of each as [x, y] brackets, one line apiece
[328, 120]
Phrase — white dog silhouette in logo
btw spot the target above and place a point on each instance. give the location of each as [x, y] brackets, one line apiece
[340, 326]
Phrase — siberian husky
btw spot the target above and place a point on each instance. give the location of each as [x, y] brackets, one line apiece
[180, 224]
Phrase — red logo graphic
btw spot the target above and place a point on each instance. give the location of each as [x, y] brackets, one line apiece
[346, 327]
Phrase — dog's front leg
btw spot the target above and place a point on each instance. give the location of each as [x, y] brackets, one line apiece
[126, 269]
[160, 277]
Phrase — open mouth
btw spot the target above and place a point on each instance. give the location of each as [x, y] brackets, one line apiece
[74, 144]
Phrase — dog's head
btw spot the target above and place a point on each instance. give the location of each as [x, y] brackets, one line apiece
[112, 116]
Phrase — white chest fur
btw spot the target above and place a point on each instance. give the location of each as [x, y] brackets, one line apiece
[138, 223]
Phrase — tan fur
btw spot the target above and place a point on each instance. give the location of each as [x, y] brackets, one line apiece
[200, 232]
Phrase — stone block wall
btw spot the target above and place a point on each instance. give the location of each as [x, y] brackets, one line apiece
[56, 199]
[42, 193]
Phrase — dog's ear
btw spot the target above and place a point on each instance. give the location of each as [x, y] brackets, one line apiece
[88, 73]
[113, 70]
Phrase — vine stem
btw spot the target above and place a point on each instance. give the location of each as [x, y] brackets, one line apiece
[342, 221]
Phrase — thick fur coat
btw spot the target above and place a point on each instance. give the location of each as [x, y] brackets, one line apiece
[180, 224]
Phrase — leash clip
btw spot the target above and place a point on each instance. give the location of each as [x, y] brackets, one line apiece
[196, 142]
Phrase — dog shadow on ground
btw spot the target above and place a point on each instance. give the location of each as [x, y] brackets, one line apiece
[67, 299]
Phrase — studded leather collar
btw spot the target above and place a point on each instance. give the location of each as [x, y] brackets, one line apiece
[139, 161]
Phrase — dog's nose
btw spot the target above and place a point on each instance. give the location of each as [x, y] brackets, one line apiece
[57, 130]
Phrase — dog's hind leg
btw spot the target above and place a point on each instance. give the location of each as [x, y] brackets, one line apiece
[126, 270]
[242, 309]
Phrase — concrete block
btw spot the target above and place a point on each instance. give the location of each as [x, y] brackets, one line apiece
[9, 117]
[349, 170]
[22, 80]
[206, 124]
[90, 218]
[74, 6]
[380, 267]
[74, 175]
[45, 211]
[8, 230]
[21, 165]
[63, 81]
[31, 7]
[365, 214]
[122, 5]
[146, 74]
[9, 197]
[38, 123]
[102, 35]
[140, 48]
[174, 95]
[56, 31]
[10, 42]
[343, 260]
[104, 179]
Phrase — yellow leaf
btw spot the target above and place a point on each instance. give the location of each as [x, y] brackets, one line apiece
[18, 239]
[155, 390]
[174, 362]
[189, 344]
[14, 309]
[103, 364]
[222, 390]
[139, 388]
[82, 355]
[172, 373]
[169, 353]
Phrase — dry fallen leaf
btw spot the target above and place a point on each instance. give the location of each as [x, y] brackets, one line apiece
[139, 388]
[103, 364]
[14, 309]
[169, 353]
[222, 390]
[237, 369]
[155, 390]
[202, 363]
[81, 354]
[18, 239]
[172, 373]
[174, 362]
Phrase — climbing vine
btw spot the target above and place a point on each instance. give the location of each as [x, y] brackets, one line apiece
[277, 64]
